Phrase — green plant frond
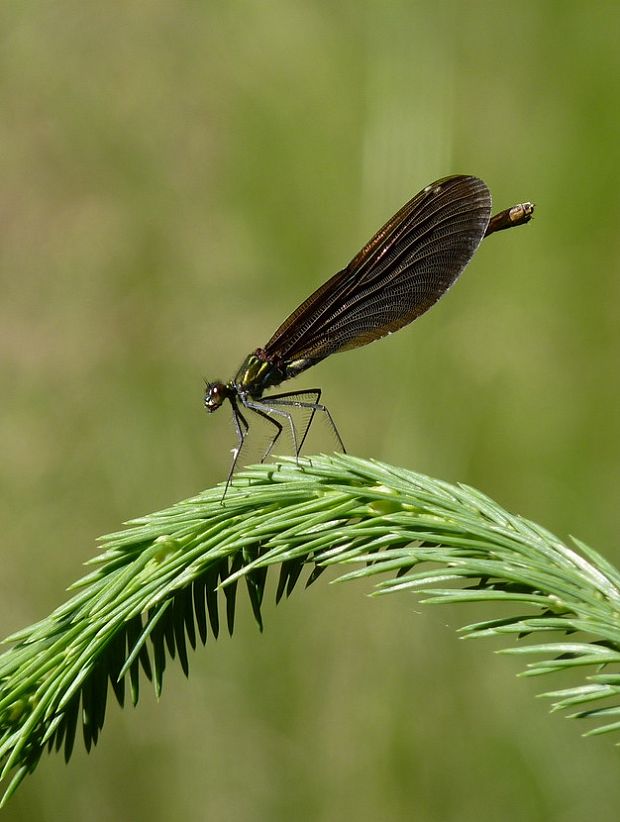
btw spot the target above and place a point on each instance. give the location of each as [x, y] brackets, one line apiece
[164, 583]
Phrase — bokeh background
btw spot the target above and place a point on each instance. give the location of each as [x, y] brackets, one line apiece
[175, 178]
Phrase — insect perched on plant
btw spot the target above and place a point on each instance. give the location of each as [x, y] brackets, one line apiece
[406, 267]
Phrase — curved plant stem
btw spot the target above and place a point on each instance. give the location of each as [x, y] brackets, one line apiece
[159, 584]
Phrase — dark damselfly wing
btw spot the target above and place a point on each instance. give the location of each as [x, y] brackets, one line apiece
[397, 276]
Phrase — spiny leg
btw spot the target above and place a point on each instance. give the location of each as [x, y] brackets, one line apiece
[266, 410]
[241, 428]
[281, 399]
[274, 439]
[311, 392]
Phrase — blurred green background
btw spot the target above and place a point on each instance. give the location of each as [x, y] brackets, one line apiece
[176, 177]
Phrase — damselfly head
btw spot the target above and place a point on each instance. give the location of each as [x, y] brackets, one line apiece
[215, 395]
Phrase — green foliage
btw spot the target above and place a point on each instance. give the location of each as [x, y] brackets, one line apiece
[158, 586]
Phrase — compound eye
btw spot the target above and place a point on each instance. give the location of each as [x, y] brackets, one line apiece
[214, 395]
